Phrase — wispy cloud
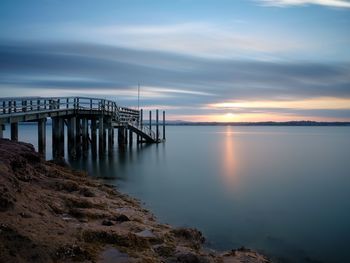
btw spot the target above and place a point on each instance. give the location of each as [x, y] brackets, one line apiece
[285, 3]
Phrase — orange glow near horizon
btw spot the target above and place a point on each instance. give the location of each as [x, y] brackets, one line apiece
[306, 104]
[250, 117]
[267, 110]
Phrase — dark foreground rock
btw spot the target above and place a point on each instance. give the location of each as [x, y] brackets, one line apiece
[50, 213]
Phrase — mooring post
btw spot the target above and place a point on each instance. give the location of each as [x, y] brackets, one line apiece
[101, 135]
[157, 125]
[77, 137]
[72, 122]
[93, 137]
[85, 136]
[150, 120]
[14, 131]
[163, 125]
[42, 137]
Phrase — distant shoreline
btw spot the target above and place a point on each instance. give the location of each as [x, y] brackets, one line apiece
[267, 123]
[264, 123]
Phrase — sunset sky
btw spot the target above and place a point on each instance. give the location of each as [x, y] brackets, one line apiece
[200, 60]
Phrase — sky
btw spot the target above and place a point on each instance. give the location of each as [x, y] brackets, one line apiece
[199, 60]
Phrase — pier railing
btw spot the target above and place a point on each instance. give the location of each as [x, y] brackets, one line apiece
[25, 105]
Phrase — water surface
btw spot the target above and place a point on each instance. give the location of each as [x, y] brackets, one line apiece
[281, 190]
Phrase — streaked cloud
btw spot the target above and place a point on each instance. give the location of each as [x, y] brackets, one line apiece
[329, 3]
[181, 83]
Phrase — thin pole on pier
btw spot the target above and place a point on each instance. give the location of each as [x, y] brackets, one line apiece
[138, 97]
[163, 125]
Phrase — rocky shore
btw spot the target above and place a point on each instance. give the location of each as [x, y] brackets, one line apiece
[51, 213]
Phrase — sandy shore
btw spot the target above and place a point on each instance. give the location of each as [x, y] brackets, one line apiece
[51, 213]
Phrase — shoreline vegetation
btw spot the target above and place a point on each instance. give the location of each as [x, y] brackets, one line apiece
[51, 213]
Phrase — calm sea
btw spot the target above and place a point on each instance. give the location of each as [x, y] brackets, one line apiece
[282, 190]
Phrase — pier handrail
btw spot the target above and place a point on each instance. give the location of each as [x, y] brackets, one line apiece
[25, 105]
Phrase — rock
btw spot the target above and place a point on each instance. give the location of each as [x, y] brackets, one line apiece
[191, 258]
[107, 223]
[121, 218]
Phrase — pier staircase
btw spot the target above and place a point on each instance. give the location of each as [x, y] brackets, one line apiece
[144, 132]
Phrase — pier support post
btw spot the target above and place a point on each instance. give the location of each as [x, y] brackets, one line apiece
[2, 128]
[130, 137]
[85, 136]
[42, 137]
[121, 136]
[57, 138]
[72, 137]
[101, 135]
[164, 125]
[157, 125]
[93, 137]
[14, 131]
[61, 137]
[77, 137]
[110, 136]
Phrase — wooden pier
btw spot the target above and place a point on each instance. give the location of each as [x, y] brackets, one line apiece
[76, 116]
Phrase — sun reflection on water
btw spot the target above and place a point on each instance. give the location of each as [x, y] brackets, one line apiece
[229, 161]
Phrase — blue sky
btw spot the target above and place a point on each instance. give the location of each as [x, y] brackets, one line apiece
[224, 60]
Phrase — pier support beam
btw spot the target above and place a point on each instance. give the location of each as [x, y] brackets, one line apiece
[57, 138]
[101, 135]
[72, 122]
[122, 140]
[93, 137]
[157, 125]
[85, 138]
[164, 125]
[42, 137]
[14, 131]
[77, 137]
[110, 136]
[130, 138]
[2, 128]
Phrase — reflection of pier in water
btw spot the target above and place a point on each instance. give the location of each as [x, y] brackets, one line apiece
[78, 114]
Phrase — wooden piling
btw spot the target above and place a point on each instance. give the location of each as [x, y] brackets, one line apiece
[85, 137]
[130, 137]
[110, 136]
[72, 122]
[78, 137]
[150, 120]
[61, 137]
[93, 137]
[157, 125]
[42, 137]
[14, 131]
[2, 128]
[163, 125]
[101, 135]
